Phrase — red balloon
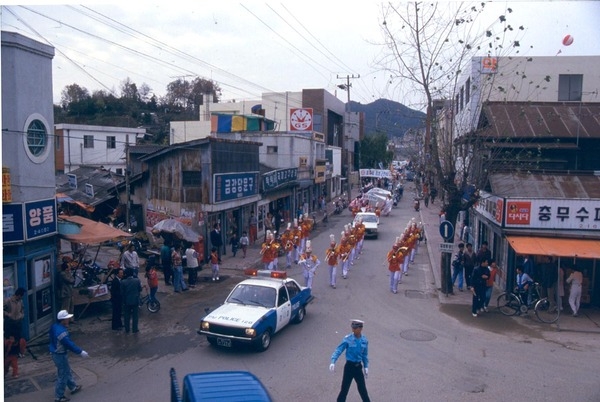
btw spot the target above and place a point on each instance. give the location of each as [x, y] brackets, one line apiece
[567, 40]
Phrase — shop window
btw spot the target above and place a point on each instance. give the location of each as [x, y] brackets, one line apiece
[271, 149]
[192, 178]
[9, 276]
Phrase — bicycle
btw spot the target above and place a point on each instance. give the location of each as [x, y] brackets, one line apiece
[510, 303]
[153, 306]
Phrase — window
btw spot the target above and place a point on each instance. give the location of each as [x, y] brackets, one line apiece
[57, 139]
[462, 97]
[468, 91]
[88, 141]
[271, 149]
[111, 142]
[119, 171]
[570, 87]
[36, 137]
[192, 178]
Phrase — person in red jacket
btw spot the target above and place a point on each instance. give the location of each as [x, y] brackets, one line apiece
[152, 277]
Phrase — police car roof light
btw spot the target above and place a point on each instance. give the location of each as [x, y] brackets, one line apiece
[265, 273]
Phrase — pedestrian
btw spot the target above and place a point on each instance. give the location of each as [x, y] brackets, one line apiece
[483, 253]
[60, 344]
[192, 264]
[529, 266]
[66, 282]
[433, 194]
[576, 280]
[152, 278]
[524, 285]
[165, 260]
[469, 263]
[253, 228]
[177, 261]
[332, 260]
[356, 346]
[478, 281]
[14, 313]
[116, 300]
[214, 263]
[458, 267]
[310, 263]
[235, 244]
[130, 259]
[13, 349]
[244, 242]
[131, 288]
[489, 283]
[216, 239]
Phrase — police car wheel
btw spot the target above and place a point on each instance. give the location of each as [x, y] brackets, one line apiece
[300, 316]
[264, 341]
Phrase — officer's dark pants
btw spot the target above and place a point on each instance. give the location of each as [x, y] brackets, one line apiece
[353, 371]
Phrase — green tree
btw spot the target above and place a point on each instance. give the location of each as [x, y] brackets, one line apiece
[72, 94]
[374, 150]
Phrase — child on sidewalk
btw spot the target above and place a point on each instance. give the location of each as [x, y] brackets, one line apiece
[214, 261]
[244, 242]
[235, 244]
[12, 351]
[152, 277]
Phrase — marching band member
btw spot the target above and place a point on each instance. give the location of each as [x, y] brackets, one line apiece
[296, 236]
[332, 260]
[405, 243]
[352, 242]
[309, 263]
[287, 242]
[305, 229]
[360, 236]
[275, 246]
[395, 258]
[267, 251]
[344, 253]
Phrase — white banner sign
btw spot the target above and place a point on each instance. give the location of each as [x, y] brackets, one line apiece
[553, 214]
[379, 173]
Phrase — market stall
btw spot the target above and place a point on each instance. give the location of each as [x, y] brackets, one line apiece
[86, 235]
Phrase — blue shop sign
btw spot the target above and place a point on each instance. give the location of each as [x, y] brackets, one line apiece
[231, 186]
[12, 223]
[276, 178]
[40, 218]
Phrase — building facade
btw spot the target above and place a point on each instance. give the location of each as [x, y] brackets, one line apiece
[29, 218]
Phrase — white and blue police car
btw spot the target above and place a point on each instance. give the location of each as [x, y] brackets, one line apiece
[256, 309]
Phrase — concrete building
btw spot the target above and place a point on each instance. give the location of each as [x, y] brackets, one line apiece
[29, 218]
[99, 146]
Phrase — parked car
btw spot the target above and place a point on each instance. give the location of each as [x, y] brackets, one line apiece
[371, 222]
[256, 309]
[219, 386]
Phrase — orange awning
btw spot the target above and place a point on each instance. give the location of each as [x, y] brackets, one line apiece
[91, 232]
[557, 247]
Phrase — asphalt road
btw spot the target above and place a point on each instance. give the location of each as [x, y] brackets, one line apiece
[420, 350]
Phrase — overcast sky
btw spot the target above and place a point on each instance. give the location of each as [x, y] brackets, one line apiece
[251, 47]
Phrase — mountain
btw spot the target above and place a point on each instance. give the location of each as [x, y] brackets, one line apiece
[387, 116]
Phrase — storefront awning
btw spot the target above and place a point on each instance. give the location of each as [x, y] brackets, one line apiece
[558, 247]
[91, 232]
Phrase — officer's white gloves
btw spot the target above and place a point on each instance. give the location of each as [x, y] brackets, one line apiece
[332, 367]
[84, 354]
[366, 372]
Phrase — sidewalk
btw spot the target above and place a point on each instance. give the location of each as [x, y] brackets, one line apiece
[587, 322]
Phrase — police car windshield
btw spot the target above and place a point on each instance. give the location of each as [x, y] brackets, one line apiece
[254, 295]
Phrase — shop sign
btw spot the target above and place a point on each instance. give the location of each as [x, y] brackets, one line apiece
[279, 177]
[378, 173]
[231, 186]
[6, 189]
[12, 223]
[553, 214]
[40, 218]
[490, 206]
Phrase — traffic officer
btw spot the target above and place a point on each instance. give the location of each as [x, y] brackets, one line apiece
[356, 346]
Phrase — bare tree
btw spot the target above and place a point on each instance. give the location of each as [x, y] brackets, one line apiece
[427, 46]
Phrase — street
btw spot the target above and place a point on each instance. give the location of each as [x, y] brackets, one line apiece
[420, 349]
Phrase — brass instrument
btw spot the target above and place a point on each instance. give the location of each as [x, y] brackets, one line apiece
[330, 252]
[345, 256]
[265, 247]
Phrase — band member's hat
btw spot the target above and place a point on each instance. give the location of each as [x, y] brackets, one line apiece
[332, 239]
[308, 247]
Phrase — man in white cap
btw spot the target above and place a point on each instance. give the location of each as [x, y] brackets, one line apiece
[60, 344]
[356, 346]
[309, 263]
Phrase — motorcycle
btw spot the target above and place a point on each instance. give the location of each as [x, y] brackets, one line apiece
[337, 208]
[417, 205]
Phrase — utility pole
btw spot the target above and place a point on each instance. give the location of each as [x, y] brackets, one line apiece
[127, 189]
[347, 85]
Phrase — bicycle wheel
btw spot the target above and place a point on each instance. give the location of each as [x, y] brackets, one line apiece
[508, 304]
[153, 306]
[544, 312]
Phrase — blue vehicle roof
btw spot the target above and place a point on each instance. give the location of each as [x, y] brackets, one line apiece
[224, 386]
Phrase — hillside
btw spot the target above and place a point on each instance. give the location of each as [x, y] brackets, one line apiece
[385, 115]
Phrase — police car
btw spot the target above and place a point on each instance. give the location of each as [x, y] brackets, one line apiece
[256, 309]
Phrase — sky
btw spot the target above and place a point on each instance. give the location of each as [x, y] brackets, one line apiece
[252, 47]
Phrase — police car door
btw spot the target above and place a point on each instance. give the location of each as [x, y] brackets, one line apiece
[284, 308]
